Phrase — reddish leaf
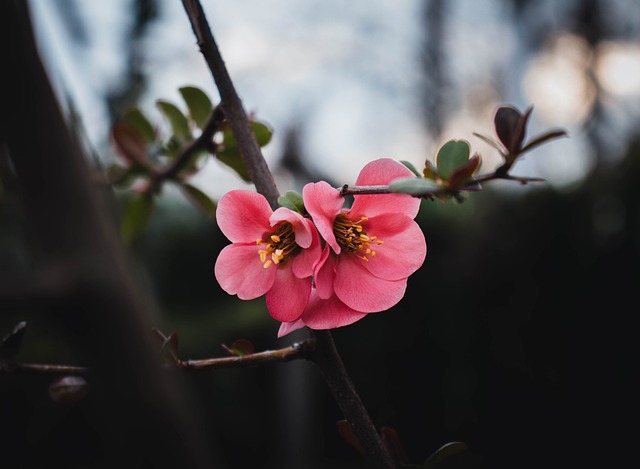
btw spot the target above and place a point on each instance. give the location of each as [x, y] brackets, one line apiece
[506, 122]
[461, 176]
[128, 142]
[392, 442]
[68, 389]
[346, 432]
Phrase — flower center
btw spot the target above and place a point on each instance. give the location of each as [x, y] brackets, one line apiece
[352, 237]
[279, 246]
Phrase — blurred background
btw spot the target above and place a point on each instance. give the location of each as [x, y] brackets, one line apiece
[515, 337]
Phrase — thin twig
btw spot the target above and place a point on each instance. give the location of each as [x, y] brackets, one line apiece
[203, 142]
[295, 351]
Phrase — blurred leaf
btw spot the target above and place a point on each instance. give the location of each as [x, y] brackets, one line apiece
[177, 120]
[173, 146]
[411, 167]
[491, 142]
[414, 186]
[544, 138]
[136, 216]
[68, 389]
[451, 156]
[506, 122]
[293, 201]
[10, 346]
[443, 455]
[242, 347]
[392, 442]
[199, 199]
[520, 131]
[345, 430]
[199, 104]
[128, 142]
[139, 121]
[194, 164]
[461, 176]
[262, 132]
[123, 176]
[429, 171]
[229, 154]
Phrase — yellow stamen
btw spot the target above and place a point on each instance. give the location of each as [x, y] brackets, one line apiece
[281, 244]
[351, 235]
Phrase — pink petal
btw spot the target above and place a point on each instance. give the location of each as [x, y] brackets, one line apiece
[289, 295]
[403, 250]
[329, 314]
[304, 263]
[302, 227]
[323, 203]
[288, 327]
[382, 172]
[239, 271]
[325, 274]
[243, 216]
[360, 290]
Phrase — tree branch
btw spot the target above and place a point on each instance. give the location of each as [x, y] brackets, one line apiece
[232, 106]
[326, 356]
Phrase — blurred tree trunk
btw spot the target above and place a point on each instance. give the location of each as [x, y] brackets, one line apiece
[140, 412]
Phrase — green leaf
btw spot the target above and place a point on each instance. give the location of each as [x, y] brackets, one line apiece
[440, 457]
[452, 155]
[414, 186]
[262, 132]
[293, 201]
[199, 199]
[229, 153]
[123, 176]
[411, 167]
[136, 217]
[177, 120]
[136, 118]
[429, 171]
[199, 104]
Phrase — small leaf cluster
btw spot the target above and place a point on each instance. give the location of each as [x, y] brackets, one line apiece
[148, 157]
[455, 169]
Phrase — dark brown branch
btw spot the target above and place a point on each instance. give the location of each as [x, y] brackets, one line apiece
[24, 368]
[326, 357]
[103, 314]
[232, 106]
[328, 360]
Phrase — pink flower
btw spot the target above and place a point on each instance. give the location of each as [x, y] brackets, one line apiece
[273, 253]
[371, 249]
